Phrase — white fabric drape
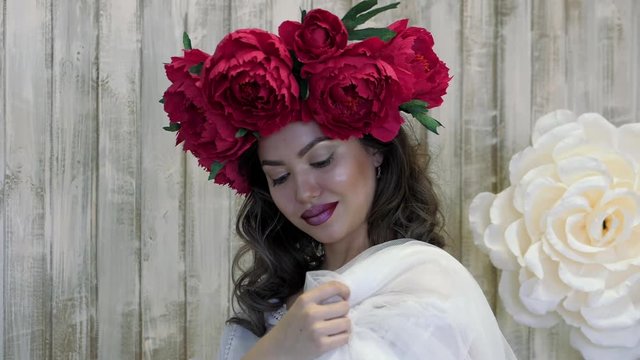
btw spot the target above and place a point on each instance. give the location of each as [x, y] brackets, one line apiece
[409, 300]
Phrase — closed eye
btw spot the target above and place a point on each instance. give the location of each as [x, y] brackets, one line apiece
[323, 163]
[318, 164]
[279, 180]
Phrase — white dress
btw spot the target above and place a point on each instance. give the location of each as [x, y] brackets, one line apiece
[409, 300]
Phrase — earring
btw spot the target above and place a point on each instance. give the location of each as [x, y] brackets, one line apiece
[378, 171]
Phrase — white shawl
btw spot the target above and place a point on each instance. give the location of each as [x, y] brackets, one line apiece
[409, 300]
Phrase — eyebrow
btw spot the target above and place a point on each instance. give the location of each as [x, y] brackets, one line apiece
[301, 153]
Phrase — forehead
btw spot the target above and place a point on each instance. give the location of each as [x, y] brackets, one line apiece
[288, 140]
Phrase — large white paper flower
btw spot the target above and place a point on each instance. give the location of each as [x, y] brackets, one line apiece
[566, 232]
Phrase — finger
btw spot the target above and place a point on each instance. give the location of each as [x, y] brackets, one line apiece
[334, 310]
[343, 290]
[334, 341]
[326, 291]
[332, 327]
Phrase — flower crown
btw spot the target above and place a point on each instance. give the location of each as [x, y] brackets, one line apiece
[256, 82]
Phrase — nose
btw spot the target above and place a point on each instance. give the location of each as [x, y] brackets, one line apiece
[307, 187]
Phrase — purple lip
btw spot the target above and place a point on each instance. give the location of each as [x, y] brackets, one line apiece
[319, 214]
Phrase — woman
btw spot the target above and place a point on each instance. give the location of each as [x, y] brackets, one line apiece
[341, 222]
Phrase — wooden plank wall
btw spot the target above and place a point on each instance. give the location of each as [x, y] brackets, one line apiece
[72, 162]
[27, 122]
[113, 243]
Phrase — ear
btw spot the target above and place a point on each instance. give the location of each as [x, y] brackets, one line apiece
[377, 158]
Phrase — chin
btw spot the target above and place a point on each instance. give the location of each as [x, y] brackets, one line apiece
[325, 240]
[325, 236]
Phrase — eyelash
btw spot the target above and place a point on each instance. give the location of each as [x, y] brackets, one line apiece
[317, 165]
[280, 180]
[323, 163]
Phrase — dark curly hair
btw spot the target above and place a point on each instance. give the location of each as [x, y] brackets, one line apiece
[405, 205]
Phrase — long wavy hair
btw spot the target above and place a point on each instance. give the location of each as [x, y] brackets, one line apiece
[405, 205]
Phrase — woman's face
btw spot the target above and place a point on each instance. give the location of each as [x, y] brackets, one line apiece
[324, 187]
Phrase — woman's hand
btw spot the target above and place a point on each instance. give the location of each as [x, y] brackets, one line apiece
[310, 327]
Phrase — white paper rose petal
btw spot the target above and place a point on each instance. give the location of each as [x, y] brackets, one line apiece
[551, 121]
[479, 217]
[508, 289]
[566, 232]
[629, 144]
[591, 351]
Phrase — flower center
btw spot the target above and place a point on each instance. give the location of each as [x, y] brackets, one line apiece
[610, 228]
[249, 90]
[349, 101]
[425, 63]
[318, 37]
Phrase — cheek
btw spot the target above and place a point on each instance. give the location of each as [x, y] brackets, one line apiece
[341, 175]
[354, 176]
[284, 201]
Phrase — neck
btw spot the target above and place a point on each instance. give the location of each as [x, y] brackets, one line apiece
[338, 253]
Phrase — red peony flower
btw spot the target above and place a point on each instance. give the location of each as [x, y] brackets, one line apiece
[178, 69]
[183, 100]
[229, 175]
[181, 79]
[354, 94]
[220, 141]
[250, 78]
[320, 36]
[417, 65]
[206, 133]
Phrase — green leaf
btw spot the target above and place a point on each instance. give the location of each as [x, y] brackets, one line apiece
[161, 101]
[427, 121]
[359, 14]
[241, 132]
[418, 109]
[358, 9]
[256, 134]
[383, 33]
[413, 106]
[186, 42]
[196, 69]
[366, 16]
[215, 169]
[173, 127]
[303, 13]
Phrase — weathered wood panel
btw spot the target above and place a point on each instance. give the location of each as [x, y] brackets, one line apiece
[600, 54]
[70, 211]
[513, 72]
[549, 77]
[28, 112]
[442, 18]
[3, 124]
[479, 120]
[119, 195]
[208, 222]
[162, 191]
[602, 47]
[338, 7]
[634, 37]
[251, 14]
